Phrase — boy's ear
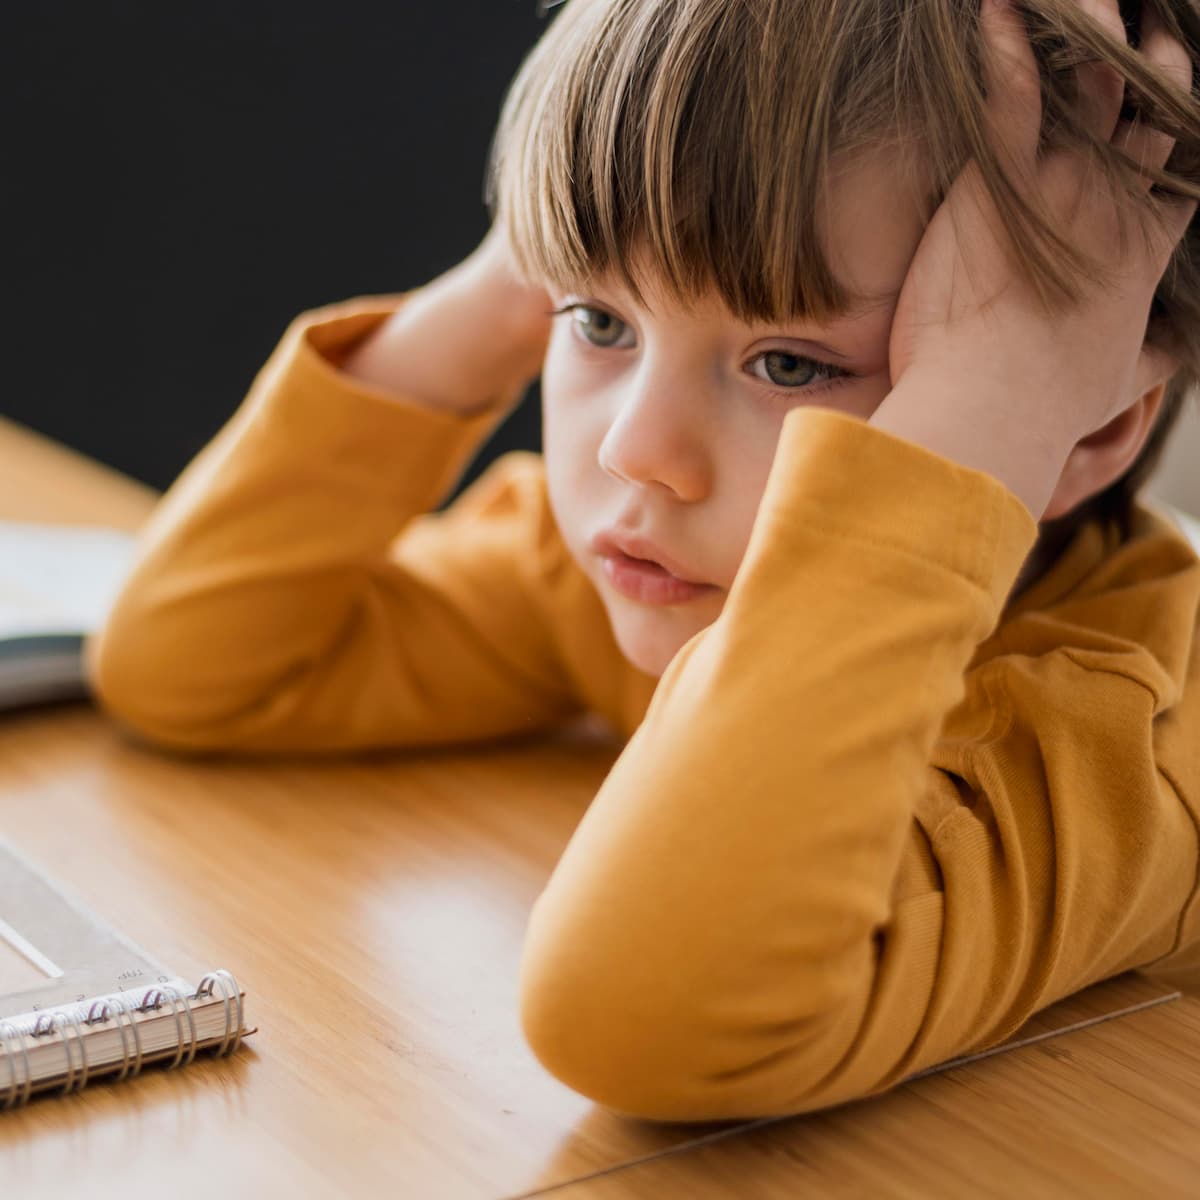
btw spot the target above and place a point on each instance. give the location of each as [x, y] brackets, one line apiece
[1103, 456]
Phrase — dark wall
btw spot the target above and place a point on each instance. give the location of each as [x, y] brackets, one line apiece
[183, 179]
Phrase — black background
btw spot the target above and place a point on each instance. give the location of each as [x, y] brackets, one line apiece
[182, 180]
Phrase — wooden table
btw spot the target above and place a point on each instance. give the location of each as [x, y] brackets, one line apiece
[374, 908]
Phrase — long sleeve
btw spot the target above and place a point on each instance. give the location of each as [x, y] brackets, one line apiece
[294, 591]
[779, 900]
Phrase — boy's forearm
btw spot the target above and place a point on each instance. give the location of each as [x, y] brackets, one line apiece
[456, 343]
[1015, 445]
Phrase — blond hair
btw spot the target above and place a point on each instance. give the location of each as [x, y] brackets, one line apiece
[696, 138]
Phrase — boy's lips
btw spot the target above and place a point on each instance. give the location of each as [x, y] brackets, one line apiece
[639, 570]
[615, 542]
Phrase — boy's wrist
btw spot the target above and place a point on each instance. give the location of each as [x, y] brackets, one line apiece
[984, 432]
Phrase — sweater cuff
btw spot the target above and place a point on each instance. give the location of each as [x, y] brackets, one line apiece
[328, 415]
[862, 482]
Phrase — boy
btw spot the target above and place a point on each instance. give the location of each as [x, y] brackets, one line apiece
[899, 772]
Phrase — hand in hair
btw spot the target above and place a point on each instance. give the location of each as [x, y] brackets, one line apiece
[474, 332]
[1029, 380]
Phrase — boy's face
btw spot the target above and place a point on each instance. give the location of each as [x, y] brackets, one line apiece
[662, 424]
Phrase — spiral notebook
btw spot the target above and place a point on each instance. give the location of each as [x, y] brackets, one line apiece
[80, 1002]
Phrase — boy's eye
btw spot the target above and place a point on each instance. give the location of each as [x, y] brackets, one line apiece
[791, 370]
[782, 368]
[597, 326]
[786, 370]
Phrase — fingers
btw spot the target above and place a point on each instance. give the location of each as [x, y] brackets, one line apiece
[1101, 87]
[1142, 143]
[1010, 78]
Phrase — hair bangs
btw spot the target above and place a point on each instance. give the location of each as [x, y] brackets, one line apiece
[635, 143]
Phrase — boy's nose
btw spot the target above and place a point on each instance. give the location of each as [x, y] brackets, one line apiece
[660, 437]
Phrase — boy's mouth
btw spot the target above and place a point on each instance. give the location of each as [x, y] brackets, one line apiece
[637, 569]
[634, 547]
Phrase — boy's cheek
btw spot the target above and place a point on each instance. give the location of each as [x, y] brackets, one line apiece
[572, 433]
[576, 510]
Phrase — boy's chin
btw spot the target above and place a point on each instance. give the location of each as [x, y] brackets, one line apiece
[647, 648]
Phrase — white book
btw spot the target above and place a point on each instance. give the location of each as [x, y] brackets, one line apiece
[57, 583]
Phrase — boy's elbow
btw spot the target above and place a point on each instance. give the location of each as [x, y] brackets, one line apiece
[143, 693]
[613, 1058]
[638, 1043]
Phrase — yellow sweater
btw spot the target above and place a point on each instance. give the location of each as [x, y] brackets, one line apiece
[872, 818]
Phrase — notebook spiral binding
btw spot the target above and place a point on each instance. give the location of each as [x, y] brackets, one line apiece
[121, 1011]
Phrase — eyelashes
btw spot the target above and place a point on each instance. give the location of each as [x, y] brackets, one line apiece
[831, 374]
[820, 374]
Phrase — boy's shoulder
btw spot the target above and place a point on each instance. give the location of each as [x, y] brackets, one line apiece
[1110, 630]
[508, 506]
[512, 483]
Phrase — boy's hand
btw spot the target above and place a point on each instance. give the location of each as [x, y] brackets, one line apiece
[474, 331]
[967, 324]
[524, 308]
